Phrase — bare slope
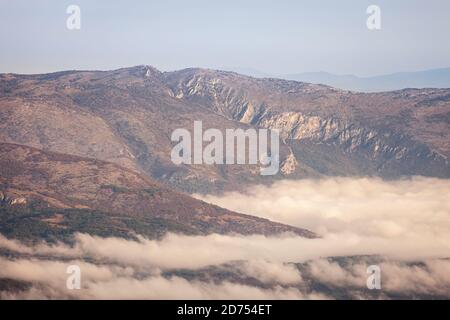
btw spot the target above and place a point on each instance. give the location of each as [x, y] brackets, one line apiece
[51, 195]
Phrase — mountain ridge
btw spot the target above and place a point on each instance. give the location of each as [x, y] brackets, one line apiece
[54, 195]
[127, 115]
[429, 78]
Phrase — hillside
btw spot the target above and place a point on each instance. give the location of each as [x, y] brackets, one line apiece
[46, 195]
[332, 131]
[126, 116]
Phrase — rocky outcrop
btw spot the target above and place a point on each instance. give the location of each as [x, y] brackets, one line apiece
[289, 165]
[12, 200]
[388, 144]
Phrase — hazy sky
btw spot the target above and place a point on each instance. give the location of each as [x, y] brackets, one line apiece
[278, 37]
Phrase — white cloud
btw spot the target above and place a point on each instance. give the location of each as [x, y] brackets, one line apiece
[405, 218]
[402, 221]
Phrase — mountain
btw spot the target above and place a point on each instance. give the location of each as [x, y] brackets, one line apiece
[435, 78]
[124, 116]
[127, 116]
[333, 131]
[51, 196]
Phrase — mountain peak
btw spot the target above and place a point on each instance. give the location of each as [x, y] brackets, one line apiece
[143, 70]
[149, 70]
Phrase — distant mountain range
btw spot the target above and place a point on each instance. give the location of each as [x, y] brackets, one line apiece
[435, 78]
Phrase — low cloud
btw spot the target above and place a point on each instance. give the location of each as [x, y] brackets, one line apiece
[427, 278]
[269, 272]
[116, 282]
[405, 223]
[406, 219]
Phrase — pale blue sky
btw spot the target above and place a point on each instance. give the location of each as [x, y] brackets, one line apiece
[277, 37]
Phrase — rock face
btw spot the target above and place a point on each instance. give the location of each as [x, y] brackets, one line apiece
[127, 116]
[388, 134]
[51, 195]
